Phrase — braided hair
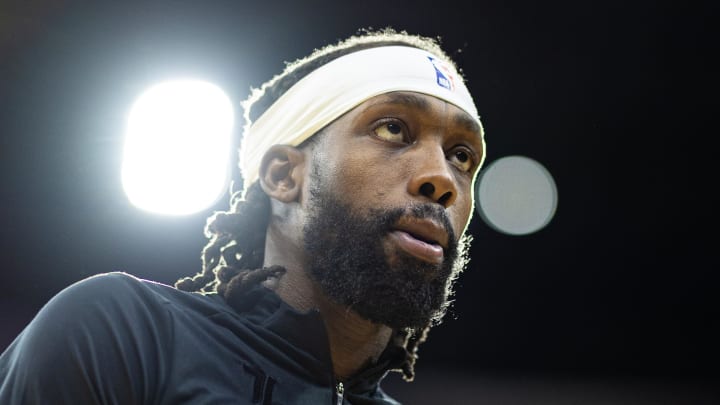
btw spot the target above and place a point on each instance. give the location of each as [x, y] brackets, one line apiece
[232, 261]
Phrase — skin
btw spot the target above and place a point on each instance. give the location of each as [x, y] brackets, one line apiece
[383, 153]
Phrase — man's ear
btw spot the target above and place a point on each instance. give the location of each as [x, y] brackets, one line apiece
[281, 172]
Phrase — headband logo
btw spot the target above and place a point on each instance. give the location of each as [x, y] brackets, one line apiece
[443, 74]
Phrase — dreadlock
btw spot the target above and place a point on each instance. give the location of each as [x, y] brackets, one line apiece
[234, 255]
[233, 258]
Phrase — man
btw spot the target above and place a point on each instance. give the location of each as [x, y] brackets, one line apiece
[332, 264]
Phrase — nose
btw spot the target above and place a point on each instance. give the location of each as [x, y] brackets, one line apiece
[432, 177]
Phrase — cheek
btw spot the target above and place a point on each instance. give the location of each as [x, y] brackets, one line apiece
[460, 213]
[376, 179]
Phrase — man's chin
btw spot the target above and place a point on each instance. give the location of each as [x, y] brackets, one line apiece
[412, 299]
[403, 316]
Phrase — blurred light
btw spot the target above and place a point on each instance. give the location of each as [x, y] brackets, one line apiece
[516, 195]
[176, 155]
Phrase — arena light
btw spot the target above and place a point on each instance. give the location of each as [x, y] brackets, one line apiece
[516, 195]
[176, 153]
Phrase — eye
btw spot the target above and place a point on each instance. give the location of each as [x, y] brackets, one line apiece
[392, 131]
[462, 158]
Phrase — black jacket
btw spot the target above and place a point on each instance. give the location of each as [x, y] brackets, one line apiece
[116, 339]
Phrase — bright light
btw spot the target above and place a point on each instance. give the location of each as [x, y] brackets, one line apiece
[176, 156]
[516, 195]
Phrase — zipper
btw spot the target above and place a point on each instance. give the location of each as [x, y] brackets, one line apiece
[340, 391]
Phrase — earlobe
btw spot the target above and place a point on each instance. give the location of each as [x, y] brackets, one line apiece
[281, 172]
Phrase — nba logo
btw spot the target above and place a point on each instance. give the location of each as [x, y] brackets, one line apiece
[443, 74]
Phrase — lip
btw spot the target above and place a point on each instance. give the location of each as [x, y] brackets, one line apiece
[424, 229]
[422, 238]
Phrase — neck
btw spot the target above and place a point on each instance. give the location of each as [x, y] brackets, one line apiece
[354, 341]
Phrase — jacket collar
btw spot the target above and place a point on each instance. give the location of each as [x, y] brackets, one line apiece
[303, 337]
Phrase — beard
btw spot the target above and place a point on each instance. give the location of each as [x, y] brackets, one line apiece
[347, 258]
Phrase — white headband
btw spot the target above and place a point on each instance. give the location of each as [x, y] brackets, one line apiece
[339, 86]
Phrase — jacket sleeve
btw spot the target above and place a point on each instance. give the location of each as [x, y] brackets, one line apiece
[96, 342]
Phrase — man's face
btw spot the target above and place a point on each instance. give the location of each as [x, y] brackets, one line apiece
[389, 197]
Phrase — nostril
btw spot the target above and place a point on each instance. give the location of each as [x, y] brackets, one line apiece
[445, 199]
[427, 190]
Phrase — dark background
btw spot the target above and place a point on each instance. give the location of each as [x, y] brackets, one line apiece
[615, 301]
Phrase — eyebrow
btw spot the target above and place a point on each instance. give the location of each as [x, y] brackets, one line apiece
[408, 99]
[463, 120]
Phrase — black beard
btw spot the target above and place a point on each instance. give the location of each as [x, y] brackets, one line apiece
[347, 259]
